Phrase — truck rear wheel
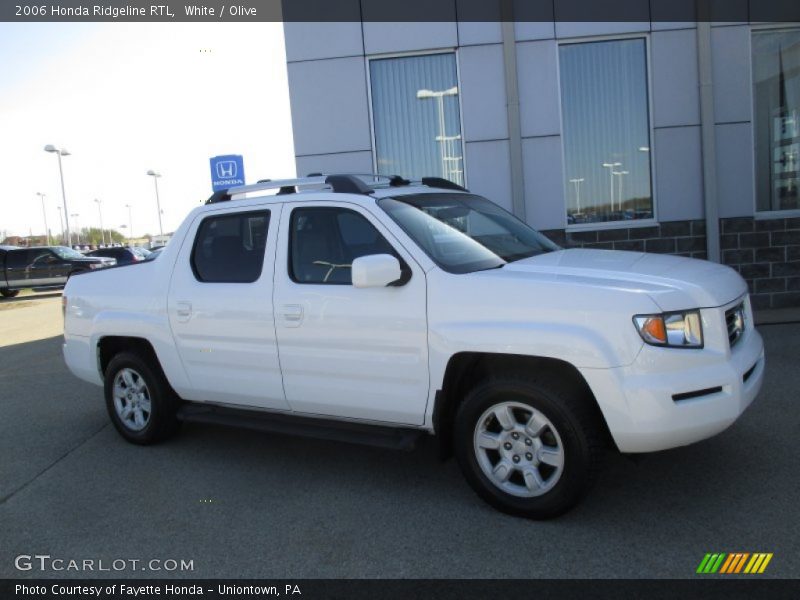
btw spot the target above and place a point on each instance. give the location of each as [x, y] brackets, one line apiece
[7, 293]
[528, 446]
[140, 402]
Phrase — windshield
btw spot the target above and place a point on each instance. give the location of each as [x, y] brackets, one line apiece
[464, 233]
[66, 253]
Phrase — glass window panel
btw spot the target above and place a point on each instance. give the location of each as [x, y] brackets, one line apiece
[776, 111]
[606, 131]
[416, 116]
[324, 242]
[230, 248]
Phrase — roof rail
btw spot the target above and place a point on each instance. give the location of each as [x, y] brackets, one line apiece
[445, 184]
[340, 183]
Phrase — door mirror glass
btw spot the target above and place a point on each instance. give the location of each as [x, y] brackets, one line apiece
[375, 270]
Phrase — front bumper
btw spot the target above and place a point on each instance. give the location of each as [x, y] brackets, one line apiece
[637, 401]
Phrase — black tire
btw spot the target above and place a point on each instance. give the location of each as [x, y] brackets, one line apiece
[161, 421]
[7, 293]
[579, 432]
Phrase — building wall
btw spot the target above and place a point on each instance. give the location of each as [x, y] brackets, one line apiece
[332, 132]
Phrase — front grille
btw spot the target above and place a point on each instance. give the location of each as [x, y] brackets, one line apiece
[734, 321]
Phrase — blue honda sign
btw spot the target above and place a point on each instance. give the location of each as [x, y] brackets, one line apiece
[227, 171]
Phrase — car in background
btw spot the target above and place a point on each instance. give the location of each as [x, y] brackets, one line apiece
[43, 267]
[123, 256]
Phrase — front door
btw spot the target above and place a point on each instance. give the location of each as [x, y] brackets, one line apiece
[358, 353]
[220, 308]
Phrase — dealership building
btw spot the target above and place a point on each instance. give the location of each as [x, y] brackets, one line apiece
[671, 137]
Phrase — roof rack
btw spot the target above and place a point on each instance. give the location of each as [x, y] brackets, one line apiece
[344, 183]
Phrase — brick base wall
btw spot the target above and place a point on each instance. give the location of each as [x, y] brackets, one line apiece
[765, 252]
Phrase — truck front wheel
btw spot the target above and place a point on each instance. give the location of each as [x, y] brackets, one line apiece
[7, 293]
[140, 402]
[528, 446]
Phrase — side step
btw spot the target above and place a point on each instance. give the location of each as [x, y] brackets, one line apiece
[396, 438]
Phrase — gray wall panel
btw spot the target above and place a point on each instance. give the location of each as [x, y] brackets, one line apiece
[568, 29]
[347, 162]
[307, 41]
[537, 71]
[489, 171]
[483, 93]
[730, 58]
[329, 106]
[676, 98]
[735, 169]
[470, 33]
[678, 174]
[382, 38]
[544, 182]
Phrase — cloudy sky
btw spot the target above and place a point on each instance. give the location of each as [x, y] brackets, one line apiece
[125, 98]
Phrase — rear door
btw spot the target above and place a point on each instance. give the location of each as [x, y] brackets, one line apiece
[16, 268]
[220, 307]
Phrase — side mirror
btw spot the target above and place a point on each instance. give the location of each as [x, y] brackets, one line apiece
[375, 270]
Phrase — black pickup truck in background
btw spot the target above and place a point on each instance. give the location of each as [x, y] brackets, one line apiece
[42, 267]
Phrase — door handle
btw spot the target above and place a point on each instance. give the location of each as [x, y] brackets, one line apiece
[183, 311]
[292, 314]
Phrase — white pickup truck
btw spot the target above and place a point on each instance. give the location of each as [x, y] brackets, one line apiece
[374, 310]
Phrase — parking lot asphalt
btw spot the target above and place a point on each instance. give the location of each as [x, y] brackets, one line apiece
[247, 504]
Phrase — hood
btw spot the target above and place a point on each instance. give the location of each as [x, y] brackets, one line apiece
[673, 282]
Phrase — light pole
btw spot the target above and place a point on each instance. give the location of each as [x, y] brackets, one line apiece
[61, 224]
[59, 153]
[44, 214]
[77, 229]
[611, 167]
[100, 212]
[130, 224]
[577, 183]
[155, 175]
[619, 174]
[444, 140]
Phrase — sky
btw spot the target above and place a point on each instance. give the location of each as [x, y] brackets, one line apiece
[125, 98]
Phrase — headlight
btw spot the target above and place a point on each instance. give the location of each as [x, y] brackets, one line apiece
[96, 265]
[674, 330]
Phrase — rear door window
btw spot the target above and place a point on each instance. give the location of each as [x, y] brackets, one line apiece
[230, 248]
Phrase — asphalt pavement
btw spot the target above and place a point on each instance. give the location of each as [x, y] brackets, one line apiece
[246, 504]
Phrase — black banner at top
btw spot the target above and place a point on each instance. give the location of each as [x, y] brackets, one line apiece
[733, 11]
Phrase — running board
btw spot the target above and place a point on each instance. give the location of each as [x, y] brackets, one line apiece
[395, 438]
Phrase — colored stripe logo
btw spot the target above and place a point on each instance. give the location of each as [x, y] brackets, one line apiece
[734, 563]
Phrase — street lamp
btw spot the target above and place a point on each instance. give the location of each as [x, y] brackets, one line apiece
[619, 174]
[155, 175]
[130, 224]
[611, 167]
[100, 212]
[44, 214]
[446, 142]
[577, 183]
[77, 229]
[61, 224]
[59, 153]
